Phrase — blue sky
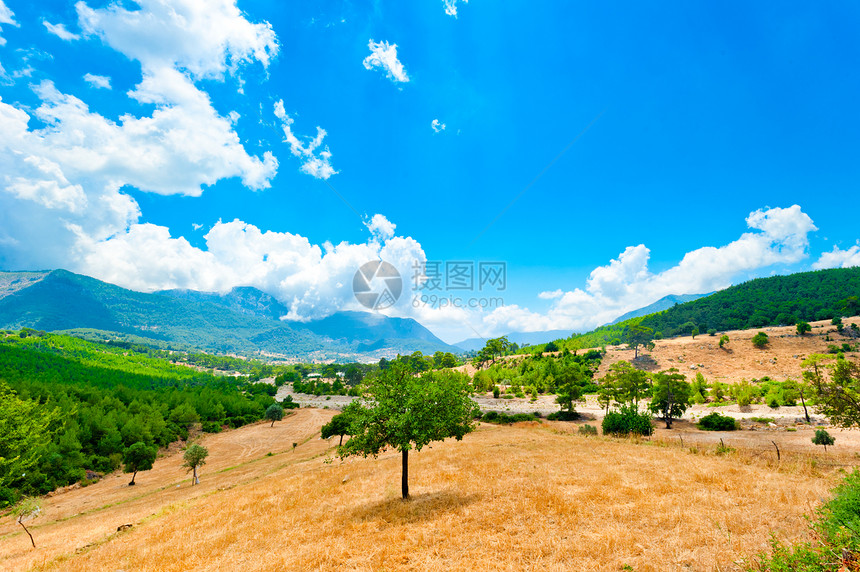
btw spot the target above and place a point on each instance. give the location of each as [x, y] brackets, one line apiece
[608, 153]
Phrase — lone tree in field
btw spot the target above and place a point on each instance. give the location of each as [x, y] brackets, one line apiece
[274, 413]
[194, 456]
[760, 340]
[341, 424]
[28, 509]
[638, 335]
[803, 327]
[724, 339]
[822, 437]
[405, 412]
[670, 396]
[138, 457]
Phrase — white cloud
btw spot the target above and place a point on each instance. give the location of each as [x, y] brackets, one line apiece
[437, 126]
[316, 163]
[98, 81]
[60, 31]
[60, 183]
[626, 283]
[384, 55]
[203, 37]
[838, 258]
[313, 280]
[380, 227]
[451, 6]
[6, 17]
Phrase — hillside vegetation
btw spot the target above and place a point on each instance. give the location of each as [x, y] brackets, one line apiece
[773, 301]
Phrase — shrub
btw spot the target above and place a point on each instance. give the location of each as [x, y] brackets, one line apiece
[588, 430]
[717, 422]
[627, 420]
[760, 340]
[822, 437]
[505, 419]
[712, 332]
[496, 392]
[211, 427]
[563, 416]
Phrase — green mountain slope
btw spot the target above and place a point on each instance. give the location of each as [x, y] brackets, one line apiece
[243, 321]
[778, 300]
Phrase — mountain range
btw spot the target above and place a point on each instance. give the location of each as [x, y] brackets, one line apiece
[243, 321]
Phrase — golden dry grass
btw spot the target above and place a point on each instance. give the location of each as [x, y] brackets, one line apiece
[528, 497]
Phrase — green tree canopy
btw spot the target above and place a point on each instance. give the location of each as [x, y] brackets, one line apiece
[25, 429]
[138, 457]
[760, 340]
[194, 456]
[670, 396]
[274, 413]
[839, 396]
[341, 424]
[406, 412]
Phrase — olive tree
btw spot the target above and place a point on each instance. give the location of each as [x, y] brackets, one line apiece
[274, 413]
[405, 412]
[194, 456]
[138, 457]
[760, 340]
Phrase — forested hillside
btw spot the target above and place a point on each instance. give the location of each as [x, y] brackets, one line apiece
[778, 300]
[95, 400]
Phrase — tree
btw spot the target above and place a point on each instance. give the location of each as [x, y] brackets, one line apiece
[803, 327]
[26, 427]
[694, 332]
[839, 397]
[138, 457]
[274, 413]
[194, 456]
[28, 509]
[760, 340]
[341, 424]
[724, 339]
[670, 396]
[623, 384]
[822, 437]
[568, 388]
[638, 335]
[405, 412]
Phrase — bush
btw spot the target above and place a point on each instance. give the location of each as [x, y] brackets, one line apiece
[496, 392]
[588, 430]
[505, 419]
[211, 427]
[717, 422]
[563, 416]
[627, 420]
[760, 340]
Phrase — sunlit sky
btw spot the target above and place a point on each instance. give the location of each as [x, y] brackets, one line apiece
[607, 154]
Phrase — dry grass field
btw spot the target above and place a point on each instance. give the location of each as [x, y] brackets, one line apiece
[527, 497]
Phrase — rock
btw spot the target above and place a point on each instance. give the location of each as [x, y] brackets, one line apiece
[693, 366]
[346, 478]
[122, 527]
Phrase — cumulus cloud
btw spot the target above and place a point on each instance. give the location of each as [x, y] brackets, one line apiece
[384, 56]
[98, 81]
[313, 280]
[778, 236]
[6, 17]
[437, 126]
[380, 227]
[316, 159]
[451, 6]
[60, 31]
[61, 181]
[838, 258]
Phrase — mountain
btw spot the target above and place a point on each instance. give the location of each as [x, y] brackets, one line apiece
[663, 303]
[521, 338]
[243, 321]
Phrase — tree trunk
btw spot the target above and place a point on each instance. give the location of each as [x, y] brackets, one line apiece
[404, 481]
[33, 542]
[196, 481]
[341, 440]
[805, 412]
[273, 423]
[131, 484]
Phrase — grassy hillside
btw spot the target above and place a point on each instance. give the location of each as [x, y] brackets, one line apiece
[528, 497]
[109, 398]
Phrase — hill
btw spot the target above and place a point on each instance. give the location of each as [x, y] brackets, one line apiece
[521, 338]
[244, 321]
[498, 500]
[773, 301]
[663, 303]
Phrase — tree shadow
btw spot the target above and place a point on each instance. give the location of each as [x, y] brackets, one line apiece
[395, 511]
